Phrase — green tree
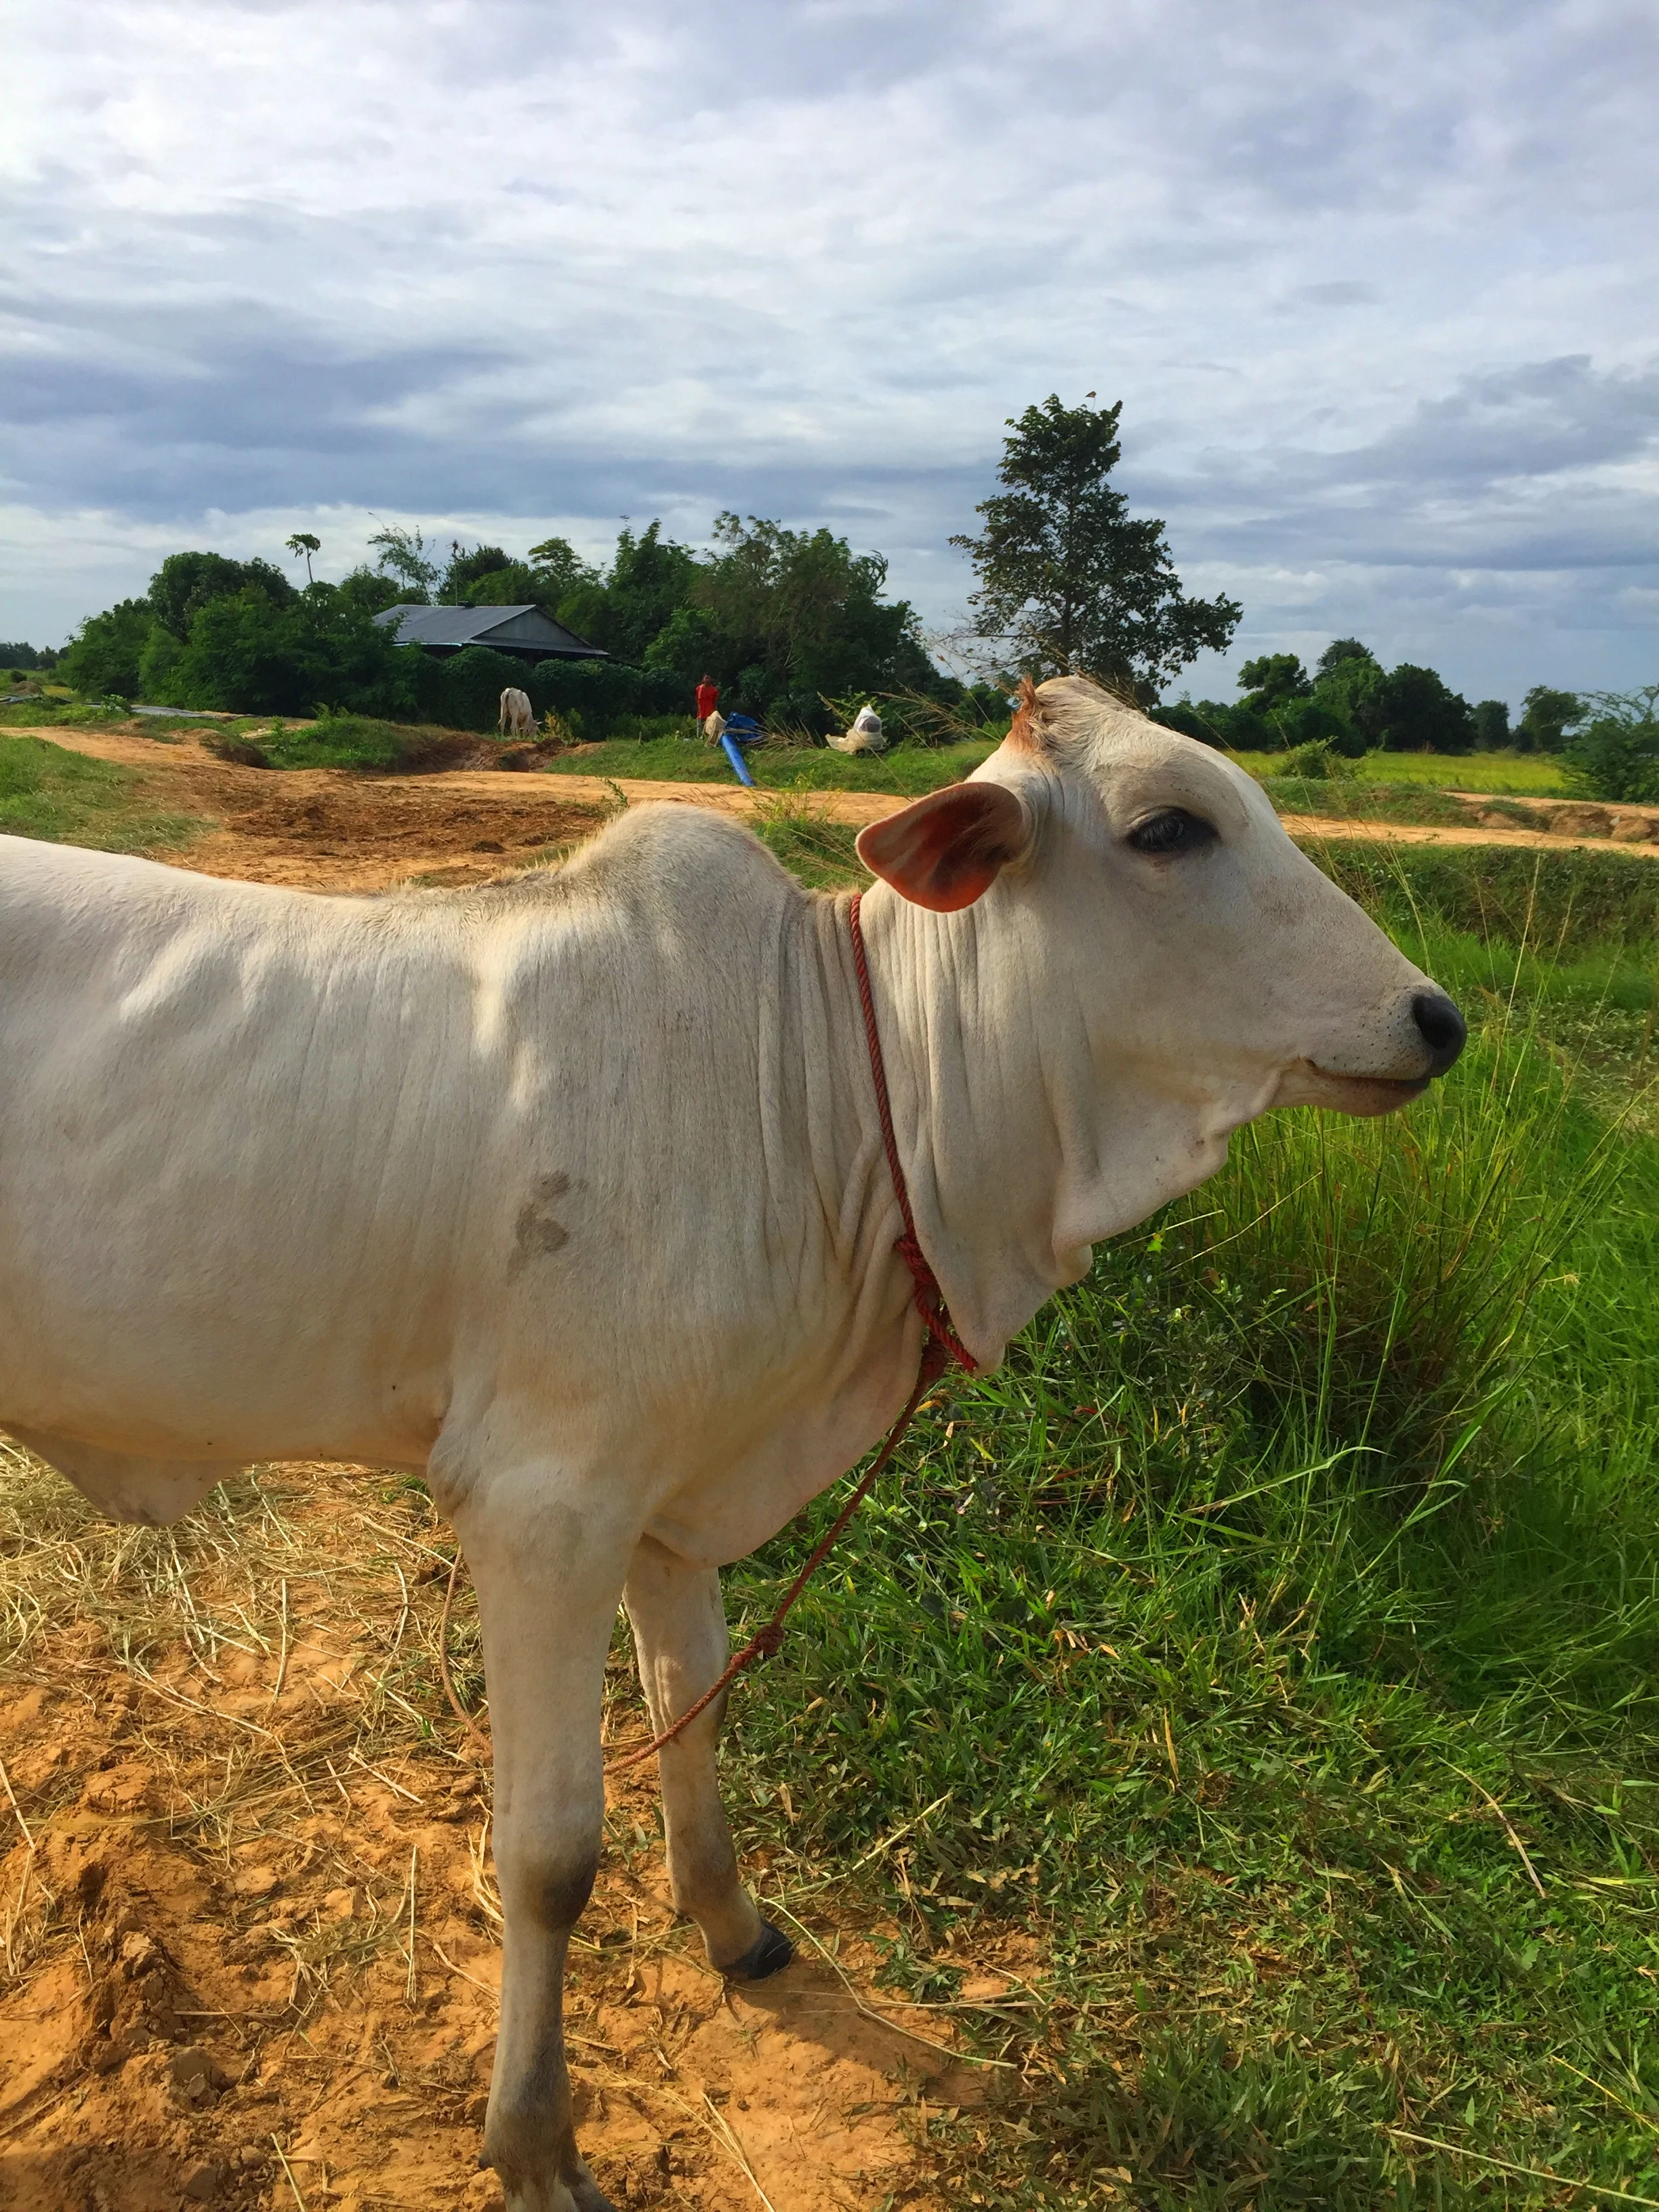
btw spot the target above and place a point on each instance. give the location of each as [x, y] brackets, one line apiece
[1067, 579]
[1274, 680]
[101, 658]
[371, 590]
[649, 578]
[186, 582]
[560, 570]
[1546, 716]
[686, 644]
[1412, 711]
[253, 657]
[1344, 676]
[1492, 726]
[798, 616]
[402, 554]
[303, 542]
[1616, 754]
[157, 665]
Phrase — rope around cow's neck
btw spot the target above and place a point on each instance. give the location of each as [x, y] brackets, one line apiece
[940, 1346]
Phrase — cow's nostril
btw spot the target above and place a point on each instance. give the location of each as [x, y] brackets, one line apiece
[1441, 1027]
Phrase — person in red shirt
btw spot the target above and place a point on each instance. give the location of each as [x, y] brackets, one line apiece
[708, 697]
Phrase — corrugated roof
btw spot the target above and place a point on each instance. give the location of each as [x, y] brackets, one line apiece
[510, 630]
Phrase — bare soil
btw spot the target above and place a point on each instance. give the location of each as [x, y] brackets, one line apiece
[258, 1922]
[332, 830]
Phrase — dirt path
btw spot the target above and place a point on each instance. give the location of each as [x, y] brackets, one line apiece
[1422, 833]
[329, 830]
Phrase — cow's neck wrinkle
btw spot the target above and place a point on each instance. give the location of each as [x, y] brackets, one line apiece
[1021, 1149]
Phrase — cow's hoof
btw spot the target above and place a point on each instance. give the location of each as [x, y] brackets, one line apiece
[586, 2193]
[769, 1953]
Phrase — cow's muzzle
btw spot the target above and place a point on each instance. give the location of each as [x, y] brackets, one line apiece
[1441, 1027]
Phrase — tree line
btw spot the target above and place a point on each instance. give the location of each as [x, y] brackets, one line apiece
[1353, 704]
[789, 621]
[784, 620]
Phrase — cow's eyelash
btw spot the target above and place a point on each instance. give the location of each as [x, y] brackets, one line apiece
[1172, 829]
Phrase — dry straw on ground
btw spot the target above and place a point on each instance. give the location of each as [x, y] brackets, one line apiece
[248, 1926]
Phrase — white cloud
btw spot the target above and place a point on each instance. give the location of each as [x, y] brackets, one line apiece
[1375, 286]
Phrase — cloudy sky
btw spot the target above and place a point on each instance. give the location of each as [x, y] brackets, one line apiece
[1374, 282]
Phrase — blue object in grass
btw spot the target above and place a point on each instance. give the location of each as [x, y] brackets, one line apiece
[739, 767]
[740, 730]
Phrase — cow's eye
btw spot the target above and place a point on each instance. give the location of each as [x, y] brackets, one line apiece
[1171, 830]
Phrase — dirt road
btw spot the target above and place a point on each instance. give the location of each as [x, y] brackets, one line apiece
[327, 830]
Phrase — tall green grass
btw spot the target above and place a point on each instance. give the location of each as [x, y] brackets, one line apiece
[1266, 1661]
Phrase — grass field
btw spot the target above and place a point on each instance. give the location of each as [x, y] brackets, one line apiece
[1527, 774]
[1272, 1646]
[1277, 1637]
[47, 792]
[909, 769]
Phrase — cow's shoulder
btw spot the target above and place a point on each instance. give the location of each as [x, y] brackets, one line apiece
[688, 861]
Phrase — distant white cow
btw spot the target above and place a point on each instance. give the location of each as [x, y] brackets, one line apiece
[426, 1210]
[863, 737]
[516, 719]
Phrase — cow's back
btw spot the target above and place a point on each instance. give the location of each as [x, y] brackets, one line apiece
[302, 1164]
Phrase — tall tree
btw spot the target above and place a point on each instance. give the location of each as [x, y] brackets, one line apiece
[403, 554]
[1546, 716]
[1067, 578]
[303, 542]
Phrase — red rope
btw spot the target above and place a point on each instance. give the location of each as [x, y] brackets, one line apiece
[939, 1347]
[925, 1292]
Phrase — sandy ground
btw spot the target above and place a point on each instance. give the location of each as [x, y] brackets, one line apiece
[251, 1925]
[325, 829]
[328, 829]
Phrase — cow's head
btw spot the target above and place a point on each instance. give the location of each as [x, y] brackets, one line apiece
[1184, 955]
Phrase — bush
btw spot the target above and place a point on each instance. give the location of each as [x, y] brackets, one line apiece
[1616, 755]
[601, 693]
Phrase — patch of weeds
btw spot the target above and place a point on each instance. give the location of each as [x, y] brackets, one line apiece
[66, 798]
[821, 852]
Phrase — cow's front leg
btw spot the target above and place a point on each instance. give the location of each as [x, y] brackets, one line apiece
[549, 1567]
[680, 1635]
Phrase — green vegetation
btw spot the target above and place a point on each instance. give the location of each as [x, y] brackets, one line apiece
[1067, 581]
[784, 620]
[1615, 754]
[67, 800]
[1524, 775]
[909, 770]
[1264, 1667]
[1354, 705]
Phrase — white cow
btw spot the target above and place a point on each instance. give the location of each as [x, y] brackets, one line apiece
[289, 1176]
[516, 719]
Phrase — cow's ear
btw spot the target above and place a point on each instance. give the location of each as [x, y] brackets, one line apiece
[950, 847]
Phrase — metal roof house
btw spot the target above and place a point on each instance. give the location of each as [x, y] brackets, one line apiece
[525, 631]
